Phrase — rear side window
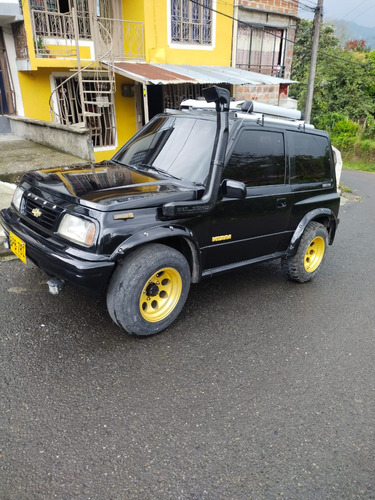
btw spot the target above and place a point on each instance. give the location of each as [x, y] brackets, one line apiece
[258, 158]
[309, 158]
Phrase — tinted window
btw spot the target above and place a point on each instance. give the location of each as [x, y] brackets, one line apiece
[309, 158]
[180, 146]
[258, 158]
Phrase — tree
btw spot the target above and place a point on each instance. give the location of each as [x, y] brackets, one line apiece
[344, 81]
[358, 45]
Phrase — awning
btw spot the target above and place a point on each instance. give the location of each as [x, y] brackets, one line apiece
[162, 74]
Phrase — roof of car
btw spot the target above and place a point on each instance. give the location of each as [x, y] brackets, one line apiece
[249, 111]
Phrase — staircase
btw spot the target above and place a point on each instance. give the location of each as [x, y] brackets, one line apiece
[91, 90]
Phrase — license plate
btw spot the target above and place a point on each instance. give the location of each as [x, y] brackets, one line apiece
[17, 246]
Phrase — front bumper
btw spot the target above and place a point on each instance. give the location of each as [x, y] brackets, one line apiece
[83, 272]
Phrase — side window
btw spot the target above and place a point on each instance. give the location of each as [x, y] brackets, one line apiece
[309, 158]
[258, 159]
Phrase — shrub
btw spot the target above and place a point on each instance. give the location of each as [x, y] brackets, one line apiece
[369, 128]
[344, 142]
[345, 127]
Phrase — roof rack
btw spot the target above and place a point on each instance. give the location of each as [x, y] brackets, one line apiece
[250, 108]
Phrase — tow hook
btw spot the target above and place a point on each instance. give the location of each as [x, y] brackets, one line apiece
[55, 285]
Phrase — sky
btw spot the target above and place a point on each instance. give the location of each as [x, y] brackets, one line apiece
[361, 12]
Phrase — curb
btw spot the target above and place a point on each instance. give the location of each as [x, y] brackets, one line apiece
[4, 252]
[6, 190]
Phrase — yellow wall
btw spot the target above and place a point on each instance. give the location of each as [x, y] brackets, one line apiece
[133, 10]
[36, 90]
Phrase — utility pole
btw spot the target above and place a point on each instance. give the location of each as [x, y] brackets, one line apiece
[314, 55]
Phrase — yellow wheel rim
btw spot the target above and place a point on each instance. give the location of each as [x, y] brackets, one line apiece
[314, 254]
[160, 294]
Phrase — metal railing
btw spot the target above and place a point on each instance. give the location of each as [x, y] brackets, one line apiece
[54, 24]
[127, 36]
[264, 69]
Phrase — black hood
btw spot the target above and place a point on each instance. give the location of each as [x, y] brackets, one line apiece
[109, 183]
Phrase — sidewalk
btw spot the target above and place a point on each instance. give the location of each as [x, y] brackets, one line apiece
[18, 156]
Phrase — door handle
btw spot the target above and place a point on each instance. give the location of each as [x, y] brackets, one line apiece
[281, 203]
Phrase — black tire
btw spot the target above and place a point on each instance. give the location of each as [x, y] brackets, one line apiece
[148, 289]
[310, 254]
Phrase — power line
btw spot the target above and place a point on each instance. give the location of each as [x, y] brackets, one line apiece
[360, 14]
[355, 8]
[306, 7]
[241, 22]
[275, 34]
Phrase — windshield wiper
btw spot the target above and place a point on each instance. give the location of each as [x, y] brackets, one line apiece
[119, 163]
[146, 166]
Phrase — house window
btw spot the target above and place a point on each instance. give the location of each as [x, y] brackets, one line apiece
[100, 119]
[260, 50]
[191, 23]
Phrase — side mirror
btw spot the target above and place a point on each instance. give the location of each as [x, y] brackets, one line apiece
[233, 189]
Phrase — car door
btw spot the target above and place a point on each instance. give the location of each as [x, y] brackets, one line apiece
[255, 227]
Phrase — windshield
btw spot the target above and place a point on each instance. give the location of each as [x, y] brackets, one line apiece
[178, 146]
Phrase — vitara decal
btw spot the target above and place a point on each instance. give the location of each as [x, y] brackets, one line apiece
[224, 237]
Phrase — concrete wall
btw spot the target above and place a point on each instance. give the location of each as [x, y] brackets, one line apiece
[66, 138]
[4, 125]
[269, 94]
[282, 6]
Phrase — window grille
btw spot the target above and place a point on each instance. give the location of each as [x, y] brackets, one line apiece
[261, 50]
[101, 121]
[191, 23]
[174, 94]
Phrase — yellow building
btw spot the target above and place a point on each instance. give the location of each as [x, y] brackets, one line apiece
[110, 65]
[114, 44]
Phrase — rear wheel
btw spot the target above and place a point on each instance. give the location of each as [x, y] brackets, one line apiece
[310, 254]
[148, 289]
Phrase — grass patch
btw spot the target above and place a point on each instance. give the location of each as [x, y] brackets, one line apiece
[345, 189]
[359, 165]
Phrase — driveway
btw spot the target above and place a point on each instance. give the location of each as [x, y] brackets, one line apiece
[261, 389]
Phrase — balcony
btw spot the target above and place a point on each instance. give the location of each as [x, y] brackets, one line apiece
[264, 69]
[54, 36]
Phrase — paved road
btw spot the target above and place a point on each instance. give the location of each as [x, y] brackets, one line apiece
[262, 389]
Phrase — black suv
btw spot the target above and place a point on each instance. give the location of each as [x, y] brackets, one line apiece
[194, 193]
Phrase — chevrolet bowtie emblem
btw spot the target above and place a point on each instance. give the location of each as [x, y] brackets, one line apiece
[36, 212]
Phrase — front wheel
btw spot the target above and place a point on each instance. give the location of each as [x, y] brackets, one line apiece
[148, 289]
[310, 254]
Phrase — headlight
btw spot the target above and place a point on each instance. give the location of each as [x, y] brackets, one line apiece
[76, 229]
[17, 197]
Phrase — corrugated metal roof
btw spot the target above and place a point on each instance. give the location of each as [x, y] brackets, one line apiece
[151, 73]
[223, 74]
[159, 74]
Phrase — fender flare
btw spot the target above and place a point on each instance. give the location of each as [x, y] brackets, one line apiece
[316, 214]
[164, 232]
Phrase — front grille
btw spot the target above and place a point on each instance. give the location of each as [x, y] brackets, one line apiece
[40, 212]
